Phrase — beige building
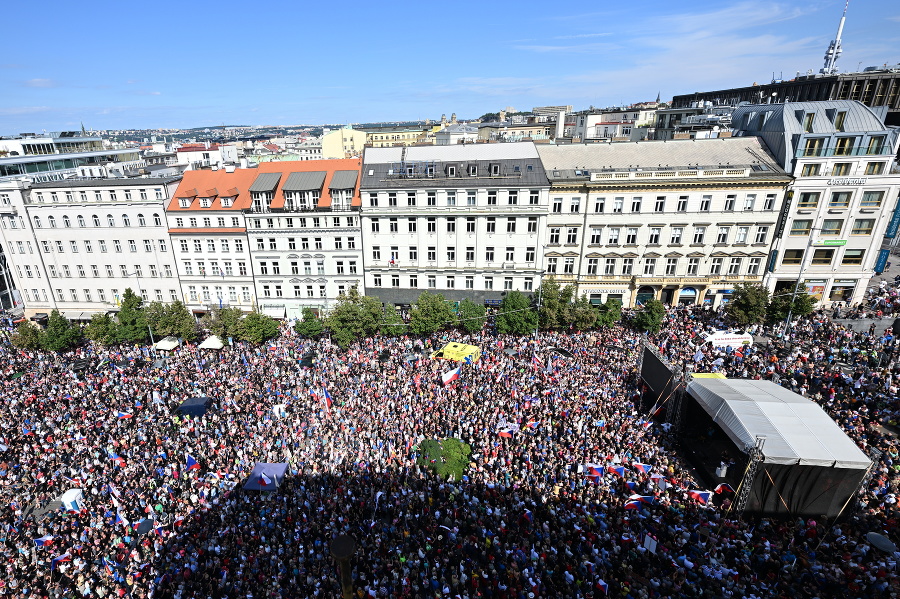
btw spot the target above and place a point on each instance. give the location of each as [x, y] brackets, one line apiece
[343, 143]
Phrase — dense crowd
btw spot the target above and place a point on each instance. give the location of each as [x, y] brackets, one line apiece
[528, 519]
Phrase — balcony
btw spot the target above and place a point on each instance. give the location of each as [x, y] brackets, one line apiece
[831, 151]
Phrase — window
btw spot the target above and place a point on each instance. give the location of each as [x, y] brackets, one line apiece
[649, 266]
[677, 232]
[489, 254]
[451, 254]
[840, 169]
[876, 145]
[470, 254]
[617, 205]
[761, 234]
[863, 226]
[844, 146]
[741, 236]
[37, 222]
[317, 243]
[376, 252]
[572, 235]
[699, 234]
[432, 253]
[872, 199]
[451, 282]
[492, 198]
[722, 235]
[575, 205]
[167, 269]
[532, 224]
[320, 267]
[50, 220]
[67, 272]
[46, 245]
[507, 283]
[596, 233]
[557, 205]
[510, 254]
[431, 198]
[392, 199]
[410, 225]
[451, 225]
[635, 205]
[59, 246]
[693, 267]
[432, 280]
[801, 227]
[609, 267]
[198, 246]
[410, 198]
[671, 266]
[808, 121]
[660, 204]
[599, 204]
[614, 236]
[375, 225]
[839, 199]
[822, 257]
[853, 257]
[413, 253]
[470, 224]
[729, 203]
[304, 243]
[534, 197]
[682, 204]
[627, 266]
[373, 200]
[792, 257]
[874, 168]
[393, 226]
[451, 197]
[808, 200]
[715, 266]
[66, 222]
[631, 235]
[749, 202]
[654, 236]
[431, 225]
[810, 170]
[753, 266]
[769, 203]
[512, 198]
[832, 226]
[734, 267]
[705, 203]
[148, 245]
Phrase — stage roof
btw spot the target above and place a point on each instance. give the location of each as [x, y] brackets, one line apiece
[797, 430]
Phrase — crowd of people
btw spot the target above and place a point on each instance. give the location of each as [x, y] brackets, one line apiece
[164, 514]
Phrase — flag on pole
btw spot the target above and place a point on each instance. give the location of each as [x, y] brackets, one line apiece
[119, 461]
[603, 586]
[191, 463]
[632, 505]
[618, 470]
[264, 481]
[326, 397]
[594, 470]
[58, 560]
[701, 496]
[44, 541]
[724, 488]
[122, 415]
[642, 468]
[643, 498]
[450, 376]
[120, 519]
[528, 516]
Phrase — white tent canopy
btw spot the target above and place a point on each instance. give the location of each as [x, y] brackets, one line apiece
[167, 344]
[797, 430]
[212, 342]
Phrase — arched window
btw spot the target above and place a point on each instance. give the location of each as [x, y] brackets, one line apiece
[141, 221]
[81, 222]
[37, 222]
[51, 221]
[126, 222]
[110, 220]
[96, 220]
[66, 222]
[157, 220]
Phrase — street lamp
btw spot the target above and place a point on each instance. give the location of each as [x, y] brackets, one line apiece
[342, 549]
[809, 245]
[141, 295]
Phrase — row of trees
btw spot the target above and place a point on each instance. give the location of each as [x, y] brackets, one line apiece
[135, 321]
[751, 303]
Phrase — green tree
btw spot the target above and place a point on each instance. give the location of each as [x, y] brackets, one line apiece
[132, 321]
[173, 319]
[803, 305]
[584, 314]
[310, 325]
[650, 317]
[27, 336]
[257, 328]
[748, 304]
[609, 313]
[447, 458]
[430, 313]
[471, 316]
[223, 322]
[59, 334]
[353, 317]
[392, 324]
[553, 303]
[516, 317]
[102, 329]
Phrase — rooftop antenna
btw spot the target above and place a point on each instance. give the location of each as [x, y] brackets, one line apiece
[834, 49]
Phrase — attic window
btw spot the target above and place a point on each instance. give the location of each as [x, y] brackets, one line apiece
[184, 202]
[473, 170]
[517, 169]
[555, 173]
[529, 168]
[808, 122]
[226, 202]
[429, 170]
[451, 171]
[371, 172]
[205, 202]
[495, 169]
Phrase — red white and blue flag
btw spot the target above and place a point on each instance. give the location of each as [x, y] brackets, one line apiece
[326, 398]
[450, 376]
[119, 461]
[724, 488]
[618, 470]
[651, 499]
[122, 415]
[58, 560]
[643, 468]
[701, 496]
[595, 470]
[264, 481]
[632, 505]
[44, 541]
[192, 464]
[120, 519]
[603, 586]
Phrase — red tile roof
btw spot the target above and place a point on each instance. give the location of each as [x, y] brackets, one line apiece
[237, 183]
[304, 166]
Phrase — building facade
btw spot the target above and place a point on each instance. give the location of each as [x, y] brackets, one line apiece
[682, 222]
[77, 245]
[342, 143]
[843, 197]
[463, 220]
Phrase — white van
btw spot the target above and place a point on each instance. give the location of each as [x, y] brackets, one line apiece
[733, 339]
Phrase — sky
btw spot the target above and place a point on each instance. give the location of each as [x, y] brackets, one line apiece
[168, 64]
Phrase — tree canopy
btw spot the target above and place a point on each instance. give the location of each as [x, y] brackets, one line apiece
[60, 334]
[471, 316]
[430, 313]
[353, 317]
[446, 458]
[803, 304]
[516, 317]
[256, 328]
[132, 322]
[748, 305]
[310, 325]
[650, 317]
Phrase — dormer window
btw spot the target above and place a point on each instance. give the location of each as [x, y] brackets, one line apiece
[184, 202]
[495, 170]
[473, 170]
[451, 171]
[205, 202]
[226, 202]
[429, 170]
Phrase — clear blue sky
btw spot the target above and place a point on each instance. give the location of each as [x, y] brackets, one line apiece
[182, 64]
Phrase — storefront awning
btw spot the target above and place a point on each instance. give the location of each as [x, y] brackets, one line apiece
[273, 311]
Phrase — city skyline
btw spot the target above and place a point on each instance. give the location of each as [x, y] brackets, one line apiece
[189, 66]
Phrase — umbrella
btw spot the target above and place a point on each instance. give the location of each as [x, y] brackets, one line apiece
[880, 541]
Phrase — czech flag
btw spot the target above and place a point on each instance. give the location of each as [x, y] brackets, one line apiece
[632, 505]
[533, 424]
[631, 485]
[158, 530]
[327, 398]
[701, 496]
[603, 586]
[643, 498]
[450, 376]
[528, 516]
[44, 541]
[594, 470]
[724, 488]
[618, 470]
[26, 432]
[179, 520]
[122, 415]
[119, 461]
[120, 519]
[107, 565]
[191, 463]
[264, 480]
[642, 468]
[59, 559]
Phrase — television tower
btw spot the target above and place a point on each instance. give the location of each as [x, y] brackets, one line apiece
[834, 49]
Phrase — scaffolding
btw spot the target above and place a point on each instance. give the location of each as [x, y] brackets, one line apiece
[755, 459]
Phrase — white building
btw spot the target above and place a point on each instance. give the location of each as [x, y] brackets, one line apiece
[632, 124]
[461, 220]
[681, 222]
[204, 155]
[77, 245]
[843, 197]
